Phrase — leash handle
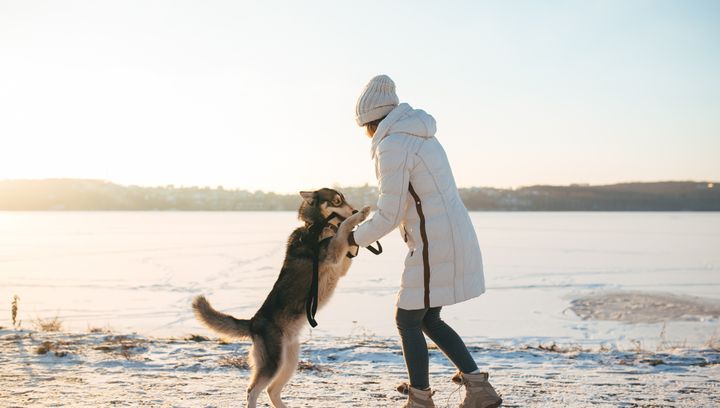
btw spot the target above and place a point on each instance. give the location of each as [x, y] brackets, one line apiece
[377, 251]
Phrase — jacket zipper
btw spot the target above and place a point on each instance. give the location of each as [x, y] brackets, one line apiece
[425, 251]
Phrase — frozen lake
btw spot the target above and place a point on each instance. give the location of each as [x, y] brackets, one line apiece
[137, 272]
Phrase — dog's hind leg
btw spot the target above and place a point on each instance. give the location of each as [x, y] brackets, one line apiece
[291, 351]
[258, 380]
[265, 356]
[257, 384]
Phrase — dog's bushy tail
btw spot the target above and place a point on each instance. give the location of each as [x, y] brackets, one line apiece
[220, 322]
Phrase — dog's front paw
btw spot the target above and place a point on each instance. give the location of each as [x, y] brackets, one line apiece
[357, 218]
[364, 212]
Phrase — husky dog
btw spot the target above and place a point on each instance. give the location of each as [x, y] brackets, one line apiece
[275, 328]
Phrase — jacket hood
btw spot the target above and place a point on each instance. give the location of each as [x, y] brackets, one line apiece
[404, 119]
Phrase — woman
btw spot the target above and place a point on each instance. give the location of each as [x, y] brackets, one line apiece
[444, 264]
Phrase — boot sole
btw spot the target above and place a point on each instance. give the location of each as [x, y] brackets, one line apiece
[496, 405]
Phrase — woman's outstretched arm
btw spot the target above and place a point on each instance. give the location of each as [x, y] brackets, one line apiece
[393, 170]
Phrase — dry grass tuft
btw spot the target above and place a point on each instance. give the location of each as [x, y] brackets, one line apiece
[13, 312]
[653, 361]
[44, 347]
[125, 346]
[713, 343]
[556, 348]
[552, 347]
[239, 362]
[49, 346]
[197, 337]
[308, 366]
[104, 330]
[53, 324]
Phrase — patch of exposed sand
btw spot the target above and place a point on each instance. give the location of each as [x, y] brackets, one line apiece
[644, 307]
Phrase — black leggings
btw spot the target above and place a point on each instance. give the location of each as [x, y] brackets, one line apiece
[412, 324]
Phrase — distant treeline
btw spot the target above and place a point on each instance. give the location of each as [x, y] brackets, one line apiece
[80, 194]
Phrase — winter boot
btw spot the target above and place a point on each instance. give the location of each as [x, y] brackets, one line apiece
[478, 391]
[416, 398]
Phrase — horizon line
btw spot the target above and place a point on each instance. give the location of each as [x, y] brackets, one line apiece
[710, 183]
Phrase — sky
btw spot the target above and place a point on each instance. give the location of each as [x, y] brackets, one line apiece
[261, 95]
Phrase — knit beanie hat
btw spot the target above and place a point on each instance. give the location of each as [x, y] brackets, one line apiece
[376, 100]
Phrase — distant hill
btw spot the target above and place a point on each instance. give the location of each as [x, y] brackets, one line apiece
[659, 196]
[82, 194]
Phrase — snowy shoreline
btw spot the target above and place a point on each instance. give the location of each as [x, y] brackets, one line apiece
[102, 369]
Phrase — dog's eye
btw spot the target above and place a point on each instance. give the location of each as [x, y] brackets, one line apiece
[336, 201]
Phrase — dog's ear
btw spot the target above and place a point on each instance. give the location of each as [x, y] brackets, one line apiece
[308, 196]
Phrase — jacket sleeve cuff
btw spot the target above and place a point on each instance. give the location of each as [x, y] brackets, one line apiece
[362, 236]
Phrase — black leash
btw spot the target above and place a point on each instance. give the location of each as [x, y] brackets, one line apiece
[312, 300]
[377, 251]
[311, 303]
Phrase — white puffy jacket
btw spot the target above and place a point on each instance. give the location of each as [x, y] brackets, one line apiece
[418, 194]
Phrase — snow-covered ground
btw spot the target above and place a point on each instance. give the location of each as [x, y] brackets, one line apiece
[94, 370]
[602, 309]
